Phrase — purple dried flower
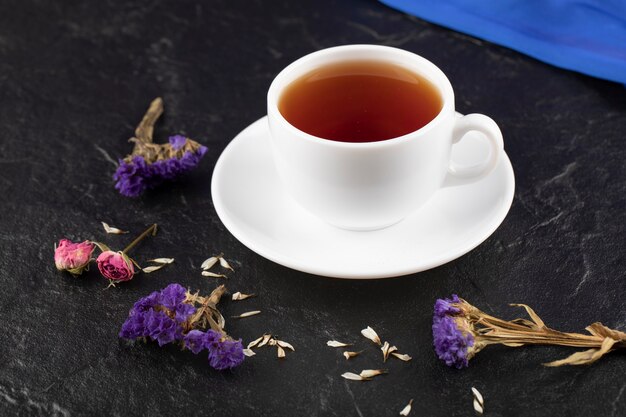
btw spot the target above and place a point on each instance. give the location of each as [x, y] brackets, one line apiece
[177, 141]
[131, 177]
[443, 306]
[160, 327]
[194, 341]
[172, 296]
[451, 343]
[147, 302]
[226, 354]
[134, 327]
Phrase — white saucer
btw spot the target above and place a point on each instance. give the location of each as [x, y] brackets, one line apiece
[251, 203]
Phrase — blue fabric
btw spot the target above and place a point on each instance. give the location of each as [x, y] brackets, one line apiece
[588, 36]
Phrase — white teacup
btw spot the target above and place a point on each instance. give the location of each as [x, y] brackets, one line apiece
[372, 185]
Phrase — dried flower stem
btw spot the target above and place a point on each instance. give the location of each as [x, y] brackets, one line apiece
[150, 230]
[146, 127]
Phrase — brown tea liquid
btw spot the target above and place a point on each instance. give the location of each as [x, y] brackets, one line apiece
[360, 101]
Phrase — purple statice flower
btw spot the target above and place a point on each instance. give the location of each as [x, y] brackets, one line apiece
[134, 327]
[451, 343]
[443, 306]
[161, 328]
[132, 178]
[172, 295]
[194, 341]
[226, 354]
[177, 141]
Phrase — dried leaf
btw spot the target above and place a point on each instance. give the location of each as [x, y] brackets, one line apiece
[280, 351]
[152, 268]
[535, 318]
[255, 342]
[248, 352]
[113, 230]
[212, 274]
[406, 410]
[478, 407]
[349, 355]
[585, 357]
[285, 345]
[402, 356]
[334, 343]
[371, 335]
[240, 296]
[163, 261]
[224, 263]
[354, 377]
[266, 338]
[247, 314]
[478, 396]
[387, 350]
[208, 263]
[598, 329]
[370, 373]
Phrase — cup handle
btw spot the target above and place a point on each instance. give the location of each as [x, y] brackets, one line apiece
[475, 122]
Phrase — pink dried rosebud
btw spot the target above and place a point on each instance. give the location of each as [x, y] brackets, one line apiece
[73, 257]
[115, 266]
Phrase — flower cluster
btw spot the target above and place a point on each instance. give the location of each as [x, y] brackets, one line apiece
[136, 175]
[151, 164]
[169, 316]
[453, 342]
[461, 330]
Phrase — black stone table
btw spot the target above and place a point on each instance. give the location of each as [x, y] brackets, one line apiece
[76, 77]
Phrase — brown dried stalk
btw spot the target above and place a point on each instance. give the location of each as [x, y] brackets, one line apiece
[488, 330]
[143, 140]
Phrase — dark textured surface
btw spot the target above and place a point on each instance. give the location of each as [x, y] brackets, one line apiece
[75, 78]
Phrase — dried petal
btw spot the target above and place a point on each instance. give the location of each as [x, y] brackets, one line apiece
[212, 274]
[349, 355]
[334, 343]
[224, 263]
[164, 261]
[371, 335]
[255, 342]
[354, 377]
[370, 373]
[478, 396]
[247, 314]
[280, 351]
[113, 230]
[248, 352]
[272, 342]
[208, 263]
[387, 350]
[402, 356]
[152, 268]
[406, 410]
[240, 296]
[266, 338]
[285, 345]
[478, 407]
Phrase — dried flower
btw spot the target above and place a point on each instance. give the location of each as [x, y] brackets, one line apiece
[369, 333]
[354, 377]
[479, 402]
[115, 266]
[370, 373]
[407, 409]
[349, 355]
[163, 261]
[240, 296]
[73, 257]
[213, 274]
[387, 349]
[210, 262]
[113, 230]
[461, 330]
[402, 356]
[170, 315]
[151, 164]
[334, 343]
[248, 352]
[247, 314]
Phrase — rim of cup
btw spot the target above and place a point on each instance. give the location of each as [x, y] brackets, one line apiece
[307, 63]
